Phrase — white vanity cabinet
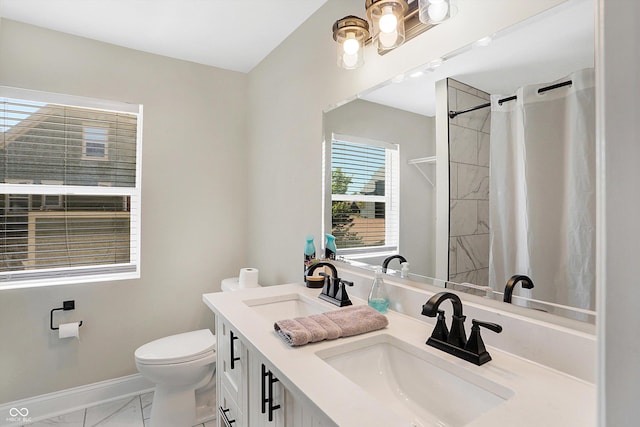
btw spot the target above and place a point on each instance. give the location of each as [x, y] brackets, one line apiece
[342, 382]
[267, 398]
[250, 394]
[231, 374]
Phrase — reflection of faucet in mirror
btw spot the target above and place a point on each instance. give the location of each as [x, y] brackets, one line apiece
[388, 259]
[527, 283]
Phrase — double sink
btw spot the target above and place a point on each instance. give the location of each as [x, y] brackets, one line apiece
[405, 377]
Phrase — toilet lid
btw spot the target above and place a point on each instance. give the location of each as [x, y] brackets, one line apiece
[177, 348]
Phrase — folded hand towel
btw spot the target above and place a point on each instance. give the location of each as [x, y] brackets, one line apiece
[345, 322]
[355, 320]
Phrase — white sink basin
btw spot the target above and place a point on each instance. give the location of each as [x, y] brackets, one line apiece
[414, 382]
[286, 306]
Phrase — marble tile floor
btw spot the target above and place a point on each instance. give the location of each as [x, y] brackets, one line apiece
[133, 411]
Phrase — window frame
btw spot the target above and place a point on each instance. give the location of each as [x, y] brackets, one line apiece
[92, 273]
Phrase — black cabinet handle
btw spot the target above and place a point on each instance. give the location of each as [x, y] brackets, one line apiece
[224, 417]
[263, 394]
[267, 396]
[233, 358]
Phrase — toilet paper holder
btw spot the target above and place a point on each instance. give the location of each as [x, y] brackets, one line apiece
[66, 306]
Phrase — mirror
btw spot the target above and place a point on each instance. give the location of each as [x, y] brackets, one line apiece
[402, 114]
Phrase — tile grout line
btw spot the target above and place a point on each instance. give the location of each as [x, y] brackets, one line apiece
[141, 409]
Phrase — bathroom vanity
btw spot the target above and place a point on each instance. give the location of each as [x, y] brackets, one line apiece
[383, 378]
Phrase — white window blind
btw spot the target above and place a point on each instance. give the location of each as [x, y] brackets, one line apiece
[65, 217]
[364, 195]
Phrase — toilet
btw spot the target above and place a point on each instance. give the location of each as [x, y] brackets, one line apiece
[182, 367]
[178, 365]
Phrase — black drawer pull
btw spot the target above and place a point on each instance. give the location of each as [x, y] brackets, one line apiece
[224, 418]
[233, 358]
[267, 376]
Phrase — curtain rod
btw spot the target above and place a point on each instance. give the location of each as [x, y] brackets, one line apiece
[453, 114]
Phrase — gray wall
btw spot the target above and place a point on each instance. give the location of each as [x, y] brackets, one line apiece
[618, 121]
[414, 134]
[193, 209]
[289, 90]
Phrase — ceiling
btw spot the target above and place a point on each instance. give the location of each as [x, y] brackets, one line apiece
[230, 34]
[541, 49]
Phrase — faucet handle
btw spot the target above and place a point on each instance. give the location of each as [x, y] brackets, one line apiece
[341, 293]
[491, 326]
[475, 344]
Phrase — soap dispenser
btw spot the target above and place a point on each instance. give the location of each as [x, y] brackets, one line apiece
[330, 247]
[309, 255]
[378, 297]
[309, 252]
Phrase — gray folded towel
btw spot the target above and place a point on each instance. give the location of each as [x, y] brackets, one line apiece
[345, 322]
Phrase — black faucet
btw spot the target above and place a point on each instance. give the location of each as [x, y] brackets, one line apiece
[312, 268]
[388, 259]
[455, 341]
[334, 290]
[527, 283]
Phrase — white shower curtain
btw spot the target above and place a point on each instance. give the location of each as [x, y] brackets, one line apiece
[542, 191]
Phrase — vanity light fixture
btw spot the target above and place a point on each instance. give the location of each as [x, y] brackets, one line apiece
[391, 23]
[387, 21]
[436, 11]
[350, 33]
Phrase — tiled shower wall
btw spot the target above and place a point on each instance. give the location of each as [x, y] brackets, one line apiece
[469, 185]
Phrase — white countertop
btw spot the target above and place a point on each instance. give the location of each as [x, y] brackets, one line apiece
[541, 396]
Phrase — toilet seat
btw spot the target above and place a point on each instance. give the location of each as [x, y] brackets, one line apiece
[180, 348]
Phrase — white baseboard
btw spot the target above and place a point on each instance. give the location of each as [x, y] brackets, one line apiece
[61, 402]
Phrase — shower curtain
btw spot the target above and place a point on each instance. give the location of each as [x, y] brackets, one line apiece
[542, 191]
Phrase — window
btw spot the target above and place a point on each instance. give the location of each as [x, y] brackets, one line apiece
[364, 195]
[94, 143]
[65, 218]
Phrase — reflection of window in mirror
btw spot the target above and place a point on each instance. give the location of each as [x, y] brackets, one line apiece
[364, 195]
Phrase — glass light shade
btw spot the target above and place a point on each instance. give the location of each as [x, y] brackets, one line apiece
[387, 22]
[436, 11]
[350, 34]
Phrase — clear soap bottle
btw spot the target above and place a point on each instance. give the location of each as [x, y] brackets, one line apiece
[378, 297]
[404, 272]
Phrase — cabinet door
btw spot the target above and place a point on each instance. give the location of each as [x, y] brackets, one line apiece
[267, 403]
[232, 361]
[300, 414]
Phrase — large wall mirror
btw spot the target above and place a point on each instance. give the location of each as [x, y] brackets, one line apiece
[517, 195]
